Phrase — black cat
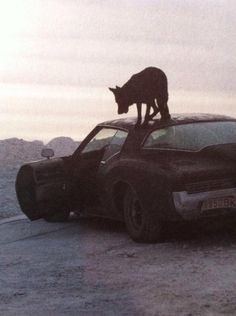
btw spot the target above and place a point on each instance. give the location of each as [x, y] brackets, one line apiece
[148, 86]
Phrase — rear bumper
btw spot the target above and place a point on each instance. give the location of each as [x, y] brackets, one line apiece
[188, 206]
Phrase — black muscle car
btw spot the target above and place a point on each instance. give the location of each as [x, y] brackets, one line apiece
[179, 170]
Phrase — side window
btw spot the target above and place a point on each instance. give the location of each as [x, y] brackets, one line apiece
[161, 138]
[116, 144]
[100, 140]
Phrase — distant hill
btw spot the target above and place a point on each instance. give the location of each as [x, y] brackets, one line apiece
[15, 151]
[63, 146]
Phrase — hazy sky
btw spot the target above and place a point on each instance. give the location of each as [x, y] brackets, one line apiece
[58, 57]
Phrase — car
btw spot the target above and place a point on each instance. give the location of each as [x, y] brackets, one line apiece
[179, 170]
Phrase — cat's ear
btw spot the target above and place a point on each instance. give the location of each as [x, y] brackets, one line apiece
[112, 90]
[118, 88]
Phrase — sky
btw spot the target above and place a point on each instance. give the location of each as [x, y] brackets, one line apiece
[58, 58]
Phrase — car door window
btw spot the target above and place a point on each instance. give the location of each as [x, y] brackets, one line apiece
[116, 144]
[100, 140]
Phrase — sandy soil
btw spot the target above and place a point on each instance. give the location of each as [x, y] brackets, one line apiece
[8, 201]
[90, 267]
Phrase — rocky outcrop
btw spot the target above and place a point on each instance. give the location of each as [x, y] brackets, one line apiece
[15, 151]
[63, 146]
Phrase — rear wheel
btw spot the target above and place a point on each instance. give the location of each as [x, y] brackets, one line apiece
[61, 216]
[142, 225]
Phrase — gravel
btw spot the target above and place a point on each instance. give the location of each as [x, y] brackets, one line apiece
[88, 267]
[8, 200]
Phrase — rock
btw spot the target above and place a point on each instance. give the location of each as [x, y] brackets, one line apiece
[15, 151]
[63, 146]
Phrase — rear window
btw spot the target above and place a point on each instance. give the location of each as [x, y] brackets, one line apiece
[193, 136]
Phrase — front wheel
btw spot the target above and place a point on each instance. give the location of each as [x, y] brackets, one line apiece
[141, 224]
[61, 216]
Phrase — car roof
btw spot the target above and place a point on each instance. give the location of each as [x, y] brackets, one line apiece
[176, 119]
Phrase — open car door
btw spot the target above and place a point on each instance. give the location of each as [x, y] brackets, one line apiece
[43, 189]
[85, 165]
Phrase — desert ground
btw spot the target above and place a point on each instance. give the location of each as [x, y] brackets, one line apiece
[8, 202]
[91, 267]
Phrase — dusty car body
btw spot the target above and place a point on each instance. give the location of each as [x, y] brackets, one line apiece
[179, 170]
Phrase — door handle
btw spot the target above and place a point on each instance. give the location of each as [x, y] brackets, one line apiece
[103, 162]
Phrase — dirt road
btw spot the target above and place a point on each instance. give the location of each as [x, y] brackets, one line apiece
[93, 268]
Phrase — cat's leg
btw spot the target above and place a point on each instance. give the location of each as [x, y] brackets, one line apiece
[155, 109]
[164, 110]
[147, 115]
[139, 110]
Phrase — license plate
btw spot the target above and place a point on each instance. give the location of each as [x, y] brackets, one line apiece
[219, 203]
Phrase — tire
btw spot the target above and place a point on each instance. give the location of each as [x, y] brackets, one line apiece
[61, 216]
[141, 225]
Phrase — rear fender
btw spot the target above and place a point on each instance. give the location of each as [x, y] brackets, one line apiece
[152, 188]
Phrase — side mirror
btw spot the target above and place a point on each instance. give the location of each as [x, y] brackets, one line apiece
[47, 153]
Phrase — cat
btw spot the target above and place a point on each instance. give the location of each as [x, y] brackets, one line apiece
[149, 86]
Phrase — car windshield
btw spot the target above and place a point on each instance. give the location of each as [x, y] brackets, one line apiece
[192, 136]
